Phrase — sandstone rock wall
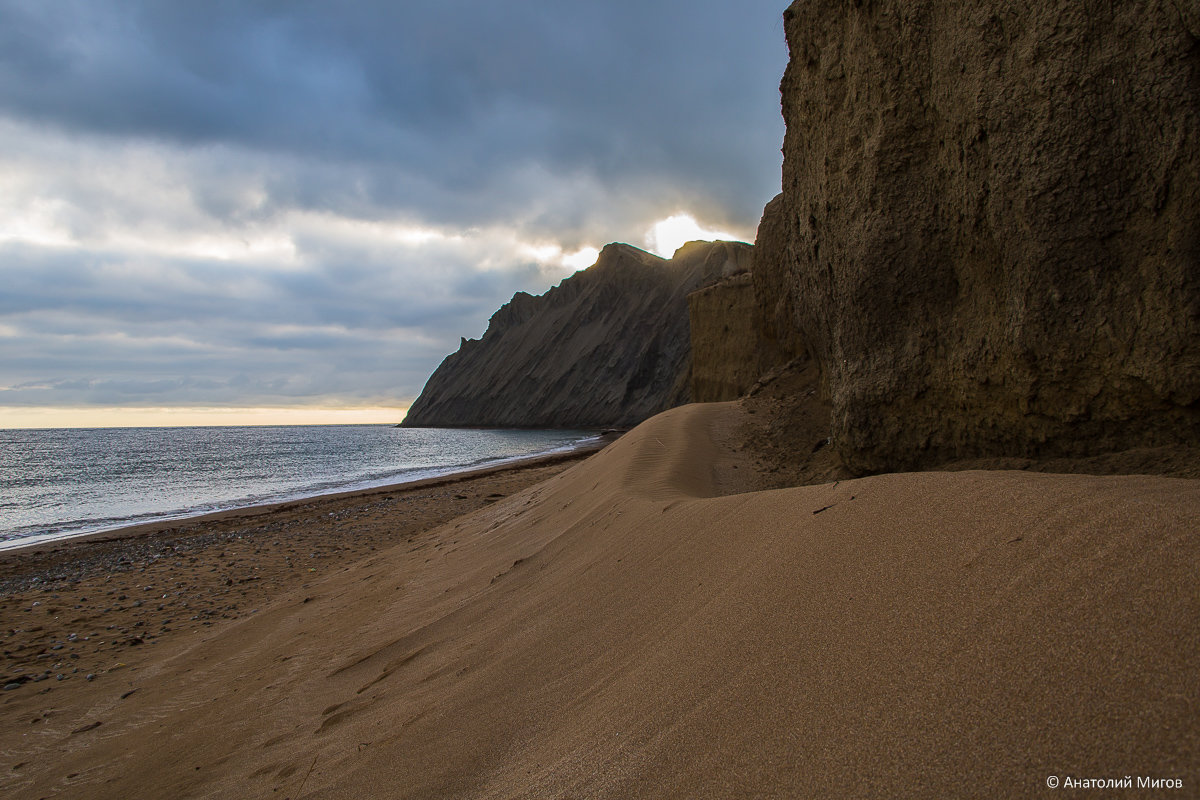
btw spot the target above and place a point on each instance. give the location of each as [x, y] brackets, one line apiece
[989, 231]
[776, 315]
[726, 352]
[609, 346]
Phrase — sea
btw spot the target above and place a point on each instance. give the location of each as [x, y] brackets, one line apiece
[59, 483]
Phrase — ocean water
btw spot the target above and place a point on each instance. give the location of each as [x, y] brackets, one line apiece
[64, 482]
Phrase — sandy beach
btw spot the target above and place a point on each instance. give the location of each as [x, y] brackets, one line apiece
[643, 624]
[91, 606]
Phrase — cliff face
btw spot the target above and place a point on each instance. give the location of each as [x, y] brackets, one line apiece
[989, 231]
[609, 346]
[726, 353]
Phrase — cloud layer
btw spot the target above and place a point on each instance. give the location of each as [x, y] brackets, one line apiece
[243, 203]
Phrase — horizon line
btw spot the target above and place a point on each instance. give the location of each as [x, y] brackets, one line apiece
[97, 417]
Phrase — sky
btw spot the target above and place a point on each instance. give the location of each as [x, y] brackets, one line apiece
[259, 211]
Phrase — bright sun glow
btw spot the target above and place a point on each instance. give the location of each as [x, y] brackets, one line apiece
[669, 234]
[582, 258]
[33, 417]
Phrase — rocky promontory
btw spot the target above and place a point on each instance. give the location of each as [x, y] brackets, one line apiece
[609, 346]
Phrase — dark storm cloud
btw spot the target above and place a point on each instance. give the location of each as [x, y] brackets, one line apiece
[444, 106]
[238, 202]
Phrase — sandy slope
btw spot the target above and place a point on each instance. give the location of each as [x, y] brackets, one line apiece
[94, 605]
[623, 630]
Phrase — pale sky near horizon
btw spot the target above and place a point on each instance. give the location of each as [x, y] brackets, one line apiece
[241, 212]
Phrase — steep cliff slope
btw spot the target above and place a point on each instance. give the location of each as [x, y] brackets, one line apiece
[989, 231]
[726, 353]
[609, 346]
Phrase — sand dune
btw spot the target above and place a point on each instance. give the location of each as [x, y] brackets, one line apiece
[629, 628]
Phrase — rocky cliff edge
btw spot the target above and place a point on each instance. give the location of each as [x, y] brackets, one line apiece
[609, 346]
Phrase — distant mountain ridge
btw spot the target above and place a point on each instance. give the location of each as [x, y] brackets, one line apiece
[609, 346]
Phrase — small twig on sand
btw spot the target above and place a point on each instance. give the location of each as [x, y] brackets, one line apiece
[310, 769]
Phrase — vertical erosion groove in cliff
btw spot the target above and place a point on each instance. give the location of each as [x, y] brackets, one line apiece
[609, 346]
[989, 230]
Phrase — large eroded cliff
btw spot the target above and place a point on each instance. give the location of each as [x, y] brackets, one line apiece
[989, 230]
[609, 346]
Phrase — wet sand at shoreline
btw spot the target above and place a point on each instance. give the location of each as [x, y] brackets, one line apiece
[88, 606]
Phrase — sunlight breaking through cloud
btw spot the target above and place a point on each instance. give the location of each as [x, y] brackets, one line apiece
[668, 235]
